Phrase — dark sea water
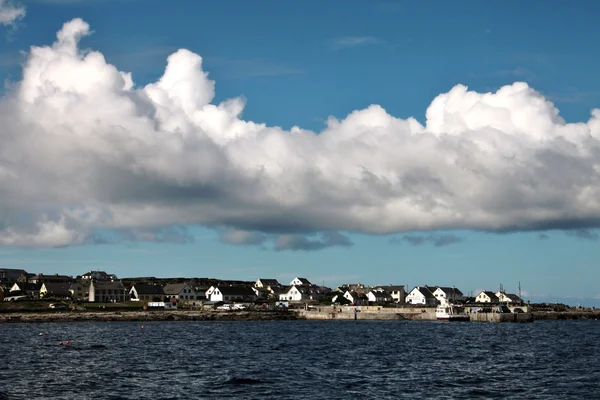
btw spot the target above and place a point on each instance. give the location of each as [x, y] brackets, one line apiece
[301, 360]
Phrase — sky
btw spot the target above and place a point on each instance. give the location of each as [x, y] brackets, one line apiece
[380, 142]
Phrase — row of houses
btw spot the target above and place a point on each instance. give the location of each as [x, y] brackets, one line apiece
[98, 286]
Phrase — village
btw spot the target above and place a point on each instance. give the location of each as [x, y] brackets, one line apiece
[173, 293]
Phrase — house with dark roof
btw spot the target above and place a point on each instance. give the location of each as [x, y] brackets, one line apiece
[80, 290]
[261, 292]
[179, 292]
[397, 292]
[107, 292]
[233, 293]
[379, 296]
[25, 289]
[97, 276]
[421, 295]
[300, 282]
[356, 298]
[56, 290]
[302, 293]
[448, 295]
[146, 292]
[486, 296]
[9, 276]
[56, 278]
[265, 283]
[509, 298]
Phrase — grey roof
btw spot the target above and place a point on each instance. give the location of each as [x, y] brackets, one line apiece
[380, 294]
[450, 291]
[391, 288]
[102, 285]
[491, 295]
[145, 288]
[356, 295]
[10, 272]
[29, 287]
[174, 288]
[304, 281]
[513, 297]
[425, 291]
[58, 288]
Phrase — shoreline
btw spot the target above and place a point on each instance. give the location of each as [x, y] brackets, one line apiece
[211, 315]
[145, 316]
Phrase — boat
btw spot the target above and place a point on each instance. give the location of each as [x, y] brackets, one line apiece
[451, 312]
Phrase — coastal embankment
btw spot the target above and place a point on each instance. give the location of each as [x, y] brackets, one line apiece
[141, 316]
[324, 313]
[407, 313]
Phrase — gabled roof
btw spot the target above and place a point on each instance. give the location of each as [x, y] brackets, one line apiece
[145, 288]
[51, 277]
[303, 280]
[356, 295]
[242, 291]
[269, 282]
[57, 288]
[425, 291]
[29, 287]
[174, 288]
[513, 297]
[450, 291]
[380, 294]
[104, 285]
[491, 295]
[10, 272]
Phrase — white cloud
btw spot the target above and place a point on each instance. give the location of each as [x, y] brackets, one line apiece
[10, 12]
[353, 41]
[84, 149]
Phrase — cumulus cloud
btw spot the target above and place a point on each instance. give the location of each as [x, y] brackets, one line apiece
[10, 12]
[85, 150]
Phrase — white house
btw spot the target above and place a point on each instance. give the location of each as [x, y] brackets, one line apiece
[358, 299]
[146, 292]
[379, 296]
[487, 297]
[302, 292]
[179, 292]
[209, 292]
[448, 295]
[421, 295]
[295, 293]
[397, 292]
[106, 291]
[233, 293]
[266, 283]
[98, 276]
[509, 298]
[300, 282]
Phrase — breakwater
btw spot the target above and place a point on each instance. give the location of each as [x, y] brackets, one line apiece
[402, 313]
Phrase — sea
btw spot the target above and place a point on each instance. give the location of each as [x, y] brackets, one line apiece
[300, 360]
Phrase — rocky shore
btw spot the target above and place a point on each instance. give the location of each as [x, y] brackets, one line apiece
[147, 316]
[566, 315]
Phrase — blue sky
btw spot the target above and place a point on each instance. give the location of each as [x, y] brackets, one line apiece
[297, 63]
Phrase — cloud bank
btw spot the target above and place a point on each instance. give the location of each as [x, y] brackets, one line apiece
[10, 12]
[86, 150]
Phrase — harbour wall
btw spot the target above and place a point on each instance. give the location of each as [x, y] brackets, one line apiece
[408, 314]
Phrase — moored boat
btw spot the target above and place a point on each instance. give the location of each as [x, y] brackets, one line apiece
[451, 312]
